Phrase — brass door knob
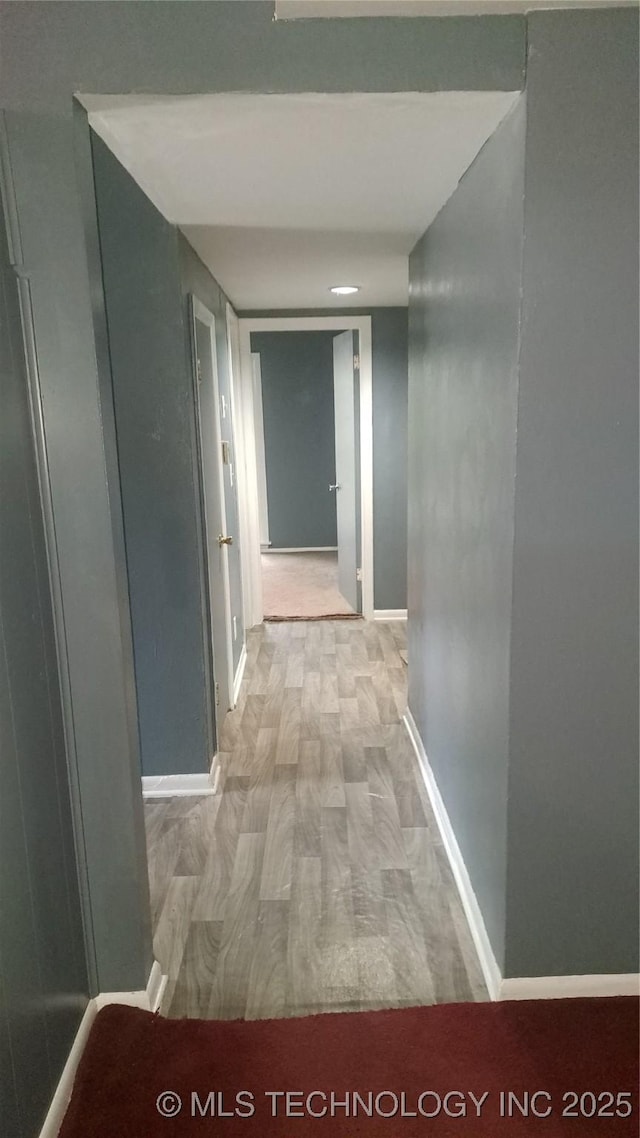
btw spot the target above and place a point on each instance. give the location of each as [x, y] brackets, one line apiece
[224, 540]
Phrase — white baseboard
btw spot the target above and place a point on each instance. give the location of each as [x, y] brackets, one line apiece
[156, 985]
[180, 785]
[569, 987]
[237, 683]
[62, 1094]
[390, 614]
[488, 963]
[301, 549]
[521, 987]
[149, 999]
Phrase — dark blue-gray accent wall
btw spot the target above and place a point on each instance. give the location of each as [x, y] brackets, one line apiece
[464, 327]
[299, 436]
[523, 537]
[44, 984]
[148, 271]
[573, 864]
[154, 411]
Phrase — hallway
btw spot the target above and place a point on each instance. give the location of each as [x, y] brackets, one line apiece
[315, 880]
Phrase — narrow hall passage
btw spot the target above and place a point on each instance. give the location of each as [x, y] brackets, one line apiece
[315, 880]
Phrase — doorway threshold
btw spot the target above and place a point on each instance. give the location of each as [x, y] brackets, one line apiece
[180, 785]
[325, 616]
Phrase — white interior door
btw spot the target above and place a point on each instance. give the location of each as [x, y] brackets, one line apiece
[346, 488]
[217, 539]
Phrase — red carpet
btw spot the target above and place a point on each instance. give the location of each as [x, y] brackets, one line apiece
[586, 1050]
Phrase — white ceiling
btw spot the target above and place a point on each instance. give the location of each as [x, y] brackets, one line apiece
[285, 195]
[314, 9]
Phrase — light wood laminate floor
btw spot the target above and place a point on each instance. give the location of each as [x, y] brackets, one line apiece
[315, 879]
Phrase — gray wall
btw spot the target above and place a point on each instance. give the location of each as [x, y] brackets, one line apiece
[299, 433]
[56, 252]
[231, 46]
[390, 384]
[154, 408]
[43, 973]
[463, 382]
[573, 785]
[149, 270]
[195, 278]
[524, 604]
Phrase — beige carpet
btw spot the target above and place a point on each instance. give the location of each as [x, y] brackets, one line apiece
[302, 585]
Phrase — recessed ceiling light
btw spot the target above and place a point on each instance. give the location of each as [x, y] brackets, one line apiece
[344, 290]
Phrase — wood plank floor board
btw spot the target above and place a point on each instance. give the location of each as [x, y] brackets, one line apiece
[192, 989]
[369, 910]
[337, 923]
[360, 830]
[267, 989]
[172, 930]
[277, 869]
[307, 842]
[354, 762]
[230, 987]
[289, 727]
[315, 879]
[194, 838]
[213, 886]
[303, 943]
[406, 938]
[332, 792]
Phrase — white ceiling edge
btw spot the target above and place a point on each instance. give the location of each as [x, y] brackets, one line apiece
[332, 9]
[287, 261]
[199, 157]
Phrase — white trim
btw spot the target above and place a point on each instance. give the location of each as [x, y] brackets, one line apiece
[301, 549]
[390, 614]
[180, 785]
[488, 962]
[201, 313]
[237, 683]
[156, 985]
[248, 485]
[569, 987]
[148, 998]
[62, 1094]
[261, 460]
[237, 415]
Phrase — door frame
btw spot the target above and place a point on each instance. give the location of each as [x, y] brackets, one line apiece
[248, 485]
[200, 312]
[258, 410]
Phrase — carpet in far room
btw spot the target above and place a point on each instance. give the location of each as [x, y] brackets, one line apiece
[302, 586]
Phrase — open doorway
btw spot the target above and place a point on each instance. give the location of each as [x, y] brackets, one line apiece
[307, 434]
[305, 389]
[320, 793]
